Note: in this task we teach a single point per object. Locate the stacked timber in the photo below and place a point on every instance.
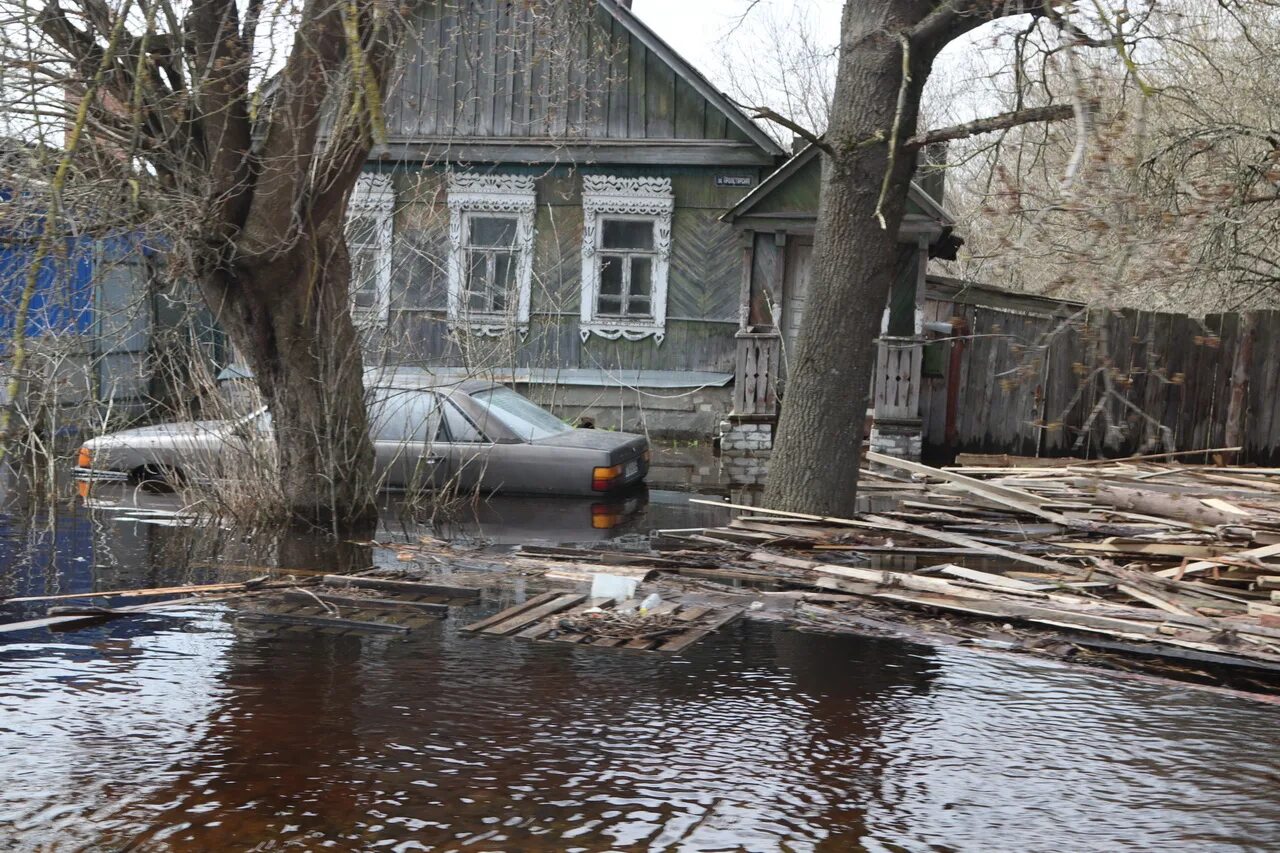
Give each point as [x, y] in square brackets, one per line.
[1160, 559]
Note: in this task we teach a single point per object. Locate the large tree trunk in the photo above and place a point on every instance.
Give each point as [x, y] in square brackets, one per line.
[290, 316]
[814, 467]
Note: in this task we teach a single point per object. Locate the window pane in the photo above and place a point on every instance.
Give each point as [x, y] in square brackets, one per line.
[610, 276]
[524, 417]
[628, 234]
[364, 278]
[490, 231]
[641, 275]
[504, 270]
[638, 308]
[461, 430]
[609, 305]
[477, 281]
[362, 230]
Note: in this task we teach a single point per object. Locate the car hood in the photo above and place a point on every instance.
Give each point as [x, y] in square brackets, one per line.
[593, 439]
[186, 429]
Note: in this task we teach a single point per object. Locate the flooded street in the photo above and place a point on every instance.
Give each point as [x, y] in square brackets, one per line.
[191, 731]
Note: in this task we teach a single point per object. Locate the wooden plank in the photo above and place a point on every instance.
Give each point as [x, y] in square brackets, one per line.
[873, 522]
[64, 621]
[989, 579]
[637, 105]
[1206, 565]
[142, 593]
[355, 601]
[529, 604]
[408, 587]
[1157, 601]
[619, 52]
[683, 641]
[505, 69]
[546, 626]
[527, 616]
[321, 622]
[1003, 495]
[485, 66]
[1158, 549]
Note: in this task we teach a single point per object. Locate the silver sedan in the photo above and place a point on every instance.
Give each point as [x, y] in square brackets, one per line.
[470, 435]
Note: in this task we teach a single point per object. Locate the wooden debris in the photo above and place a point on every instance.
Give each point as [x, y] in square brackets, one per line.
[309, 621]
[403, 586]
[151, 592]
[672, 626]
[1164, 560]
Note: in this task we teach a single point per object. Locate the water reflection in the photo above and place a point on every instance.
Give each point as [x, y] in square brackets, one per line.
[190, 731]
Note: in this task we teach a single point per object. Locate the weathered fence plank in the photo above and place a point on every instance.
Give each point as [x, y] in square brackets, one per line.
[1113, 383]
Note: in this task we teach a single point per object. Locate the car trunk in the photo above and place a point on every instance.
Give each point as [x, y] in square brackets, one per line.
[622, 447]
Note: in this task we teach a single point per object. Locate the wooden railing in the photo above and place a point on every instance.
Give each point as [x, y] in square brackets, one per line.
[756, 376]
[898, 377]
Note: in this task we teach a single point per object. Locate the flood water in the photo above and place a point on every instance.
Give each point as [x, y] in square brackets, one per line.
[190, 731]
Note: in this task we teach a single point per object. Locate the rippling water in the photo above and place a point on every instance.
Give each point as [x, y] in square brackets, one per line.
[195, 735]
[190, 732]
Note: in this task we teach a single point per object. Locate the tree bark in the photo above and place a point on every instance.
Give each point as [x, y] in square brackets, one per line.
[290, 317]
[887, 48]
[814, 468]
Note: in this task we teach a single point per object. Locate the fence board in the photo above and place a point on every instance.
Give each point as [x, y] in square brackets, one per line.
[1029, 385]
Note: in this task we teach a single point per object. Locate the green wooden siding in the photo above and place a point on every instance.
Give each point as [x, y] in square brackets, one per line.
[702, 292]
[513, 70]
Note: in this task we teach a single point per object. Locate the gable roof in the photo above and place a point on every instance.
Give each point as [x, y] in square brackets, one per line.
[651, 40]
[494, 81]
[927, 205]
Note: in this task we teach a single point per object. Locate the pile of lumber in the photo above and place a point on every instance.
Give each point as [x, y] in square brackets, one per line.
[1162, 560]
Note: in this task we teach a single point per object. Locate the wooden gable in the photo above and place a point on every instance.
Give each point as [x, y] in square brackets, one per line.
[788, 200]
[511, 80]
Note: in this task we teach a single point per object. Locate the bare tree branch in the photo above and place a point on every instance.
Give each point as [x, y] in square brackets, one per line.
[1003, 121]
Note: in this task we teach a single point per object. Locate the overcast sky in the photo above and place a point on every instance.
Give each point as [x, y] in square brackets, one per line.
[697, 29]
[694, 27]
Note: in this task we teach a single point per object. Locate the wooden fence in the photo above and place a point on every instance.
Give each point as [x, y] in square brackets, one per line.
[1090, 382]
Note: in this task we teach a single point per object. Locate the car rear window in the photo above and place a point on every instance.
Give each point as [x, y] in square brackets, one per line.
[404, 415]
[522, 416]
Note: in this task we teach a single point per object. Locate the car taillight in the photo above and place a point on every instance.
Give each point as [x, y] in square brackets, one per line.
[645, 456]
[602, 478]
[84, 459]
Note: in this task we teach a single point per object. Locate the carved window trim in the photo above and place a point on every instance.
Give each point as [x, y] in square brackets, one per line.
[374, 196]
[648, 198]
[500, 195]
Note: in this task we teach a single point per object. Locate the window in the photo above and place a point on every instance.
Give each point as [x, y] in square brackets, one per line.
[368, 227]
[491, 252]
[460, 428]
[522, 416]
[492, 260]
[400, 415]
[626, 252]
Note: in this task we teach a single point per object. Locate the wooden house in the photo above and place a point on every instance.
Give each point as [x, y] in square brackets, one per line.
[547, 210]
[565, 204]
[777, 221]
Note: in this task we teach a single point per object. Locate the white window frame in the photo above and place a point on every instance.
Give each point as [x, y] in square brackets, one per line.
[605, 197]
[375, 196]
[506, 196]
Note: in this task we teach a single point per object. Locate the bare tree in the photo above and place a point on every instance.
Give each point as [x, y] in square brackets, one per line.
[235, 133]
[888, 51]
[1181, 178]
[782, 59]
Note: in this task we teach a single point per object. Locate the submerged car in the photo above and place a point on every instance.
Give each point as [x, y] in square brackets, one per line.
[468, 435]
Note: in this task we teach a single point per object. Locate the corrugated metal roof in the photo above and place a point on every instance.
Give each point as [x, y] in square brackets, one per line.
[588, 377]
